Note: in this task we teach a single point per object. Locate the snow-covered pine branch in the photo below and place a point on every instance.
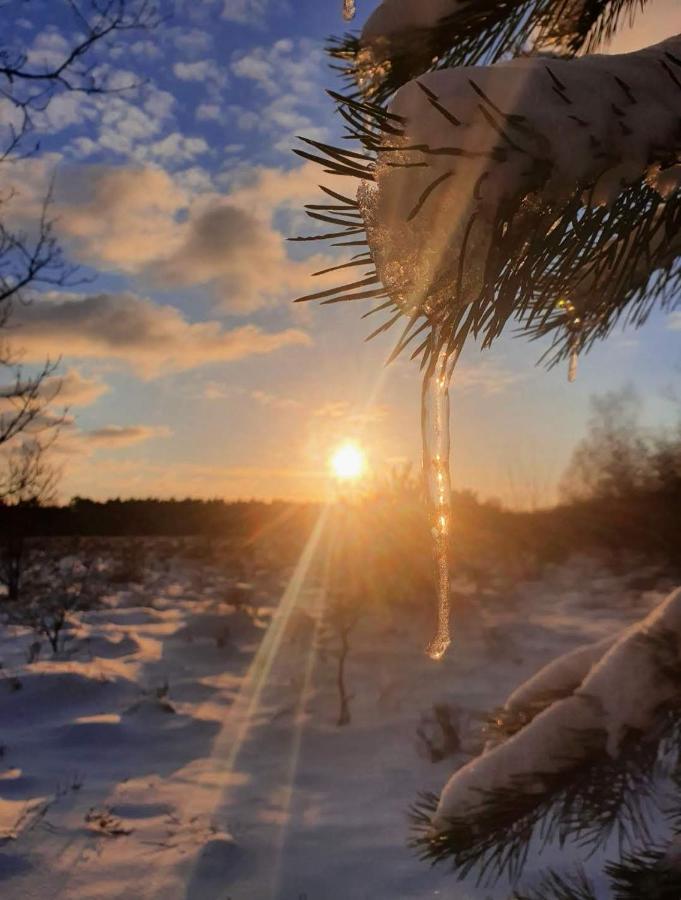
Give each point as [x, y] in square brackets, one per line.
[648, 874]
[586, 763]
[401, 39]
[556, 680]
[545, 189]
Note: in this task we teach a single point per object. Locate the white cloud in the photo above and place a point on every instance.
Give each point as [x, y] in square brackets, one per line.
[674, 321]
[245, 12]
[285, 66]
[49, 49]
[208, 112]
[144, 49]
[288, 73]
[174, 148]
[202, 70]
[193, 42]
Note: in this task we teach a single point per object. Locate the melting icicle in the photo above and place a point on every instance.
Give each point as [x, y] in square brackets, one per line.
[348, 10]
[435, 433]
[572, 368]
[574, 323]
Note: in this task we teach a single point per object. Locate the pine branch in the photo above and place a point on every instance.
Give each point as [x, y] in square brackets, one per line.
[587, 799]
[647, 874]
[567, 262]
[477, 32]
[559, 887]
[644, 875]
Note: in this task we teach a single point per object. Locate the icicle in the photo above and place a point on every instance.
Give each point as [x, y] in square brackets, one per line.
[572, 367]
[574, 323]
[435, 433]
[348, 10]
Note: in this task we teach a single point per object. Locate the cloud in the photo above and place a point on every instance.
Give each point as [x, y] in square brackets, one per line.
[74, 389]
[122, 435]
[102, 477]
[213, 390]
[128, 124]
[177, 148]
[343, 409]
[245, 12]
[674, 321]
[209, 112]
[206, 74]
[73, 442]
[237, 253]
[143, 221]
[150, 338]
[178, 230]
[275, 401]
[283, 67]
[193, 42]
[202, 70]
[121, 217]
[289, 74]
[57, 392]
[486, 378]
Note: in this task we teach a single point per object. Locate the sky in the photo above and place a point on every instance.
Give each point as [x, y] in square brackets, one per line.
[186, 367]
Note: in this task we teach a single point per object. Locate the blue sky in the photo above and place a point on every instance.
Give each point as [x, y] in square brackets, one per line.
[187, 368]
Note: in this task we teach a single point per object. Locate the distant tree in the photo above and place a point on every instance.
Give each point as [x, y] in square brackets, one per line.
[610, 460]
[27, 481]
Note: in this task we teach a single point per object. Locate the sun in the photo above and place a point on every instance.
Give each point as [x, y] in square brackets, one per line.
[348, 462]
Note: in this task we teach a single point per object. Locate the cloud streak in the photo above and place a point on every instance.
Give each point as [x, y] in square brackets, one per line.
[112, 436]
[150, 338]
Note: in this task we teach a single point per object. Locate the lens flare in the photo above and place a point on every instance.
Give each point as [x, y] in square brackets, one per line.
[348, 462]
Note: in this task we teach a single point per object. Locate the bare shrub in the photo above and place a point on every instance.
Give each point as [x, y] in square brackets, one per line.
[341, 617]
[129, 567]
[439, 732]
[58, 587]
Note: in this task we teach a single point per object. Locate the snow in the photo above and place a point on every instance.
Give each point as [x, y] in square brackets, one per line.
[627, 682]
[624, 690]
[600, 121]
[178, 748]
[561, 676]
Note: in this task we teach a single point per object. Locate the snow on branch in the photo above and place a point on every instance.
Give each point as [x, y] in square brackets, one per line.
[404, 38]
[586, 766]
[545, 190]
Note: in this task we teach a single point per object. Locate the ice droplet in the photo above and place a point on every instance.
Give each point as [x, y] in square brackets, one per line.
[435, 435]
[349, 10]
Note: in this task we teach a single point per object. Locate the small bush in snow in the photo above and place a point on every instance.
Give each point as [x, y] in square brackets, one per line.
[58, 587]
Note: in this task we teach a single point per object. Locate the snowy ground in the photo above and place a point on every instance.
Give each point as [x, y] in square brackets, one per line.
[181, 749]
